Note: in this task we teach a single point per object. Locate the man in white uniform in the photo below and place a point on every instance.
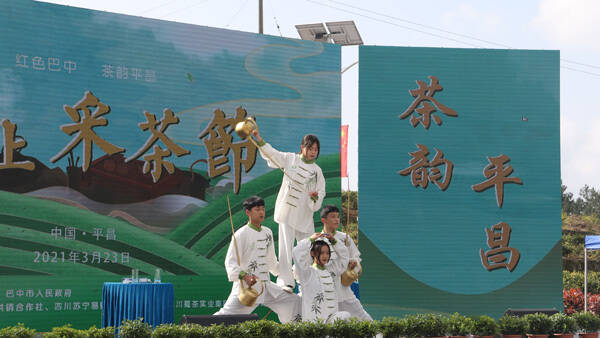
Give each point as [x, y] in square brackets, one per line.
[256, 259]
[330, 216]
[300, 196]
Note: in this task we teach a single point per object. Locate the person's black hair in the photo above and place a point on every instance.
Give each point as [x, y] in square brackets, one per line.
[315, 249]
[254, 201]
[308, 140]
[327, 209]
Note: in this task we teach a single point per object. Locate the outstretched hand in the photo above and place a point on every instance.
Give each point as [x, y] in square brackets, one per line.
[256, 135]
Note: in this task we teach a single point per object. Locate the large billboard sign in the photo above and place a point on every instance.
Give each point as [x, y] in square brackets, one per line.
[459, 170]
[118, 151]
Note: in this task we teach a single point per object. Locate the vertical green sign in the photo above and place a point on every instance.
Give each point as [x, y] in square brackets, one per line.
[459, 169]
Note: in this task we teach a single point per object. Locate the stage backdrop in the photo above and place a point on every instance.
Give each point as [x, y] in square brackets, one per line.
[459, 180]
[118, 151]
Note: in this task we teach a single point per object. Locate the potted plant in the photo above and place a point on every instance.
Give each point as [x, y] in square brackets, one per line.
[539, 325]
[429, 325]
[484, 326]
[563, 326]
[512, 326]
[458, 325]
[394, 327]
[588, 324]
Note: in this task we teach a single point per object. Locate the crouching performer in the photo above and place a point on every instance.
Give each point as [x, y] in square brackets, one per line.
[330, 216]
[250, 258]
[319, 295]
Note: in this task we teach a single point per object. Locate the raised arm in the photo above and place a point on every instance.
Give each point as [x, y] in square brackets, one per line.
[274, 157]
[303, 259]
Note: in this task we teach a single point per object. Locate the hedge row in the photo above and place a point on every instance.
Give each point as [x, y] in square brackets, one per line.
[420, 325]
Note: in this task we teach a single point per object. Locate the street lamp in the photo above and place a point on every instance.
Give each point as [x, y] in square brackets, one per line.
[343, 33]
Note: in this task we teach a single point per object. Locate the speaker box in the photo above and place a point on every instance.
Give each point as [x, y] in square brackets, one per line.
[206, 320]
[522, 312]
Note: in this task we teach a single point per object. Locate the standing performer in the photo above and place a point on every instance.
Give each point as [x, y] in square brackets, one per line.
[319, 295]
[256, 258]
[330, 216]
[300, 196]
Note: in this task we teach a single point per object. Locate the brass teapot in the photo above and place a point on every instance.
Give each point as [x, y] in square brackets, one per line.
[248, 296]
[349, 276]
[245, 128]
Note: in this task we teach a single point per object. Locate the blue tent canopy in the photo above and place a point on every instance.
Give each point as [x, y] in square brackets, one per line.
[592, 242]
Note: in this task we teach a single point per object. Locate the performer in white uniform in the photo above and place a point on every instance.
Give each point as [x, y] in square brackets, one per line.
[300, 196]
[330, 216]
[319, 295]
[257, 259]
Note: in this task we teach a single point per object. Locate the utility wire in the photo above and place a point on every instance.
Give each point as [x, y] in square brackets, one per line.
[441, 30]
[236, 13]
[183, 9]
[275, 18]
[159, 6]
[397, 25]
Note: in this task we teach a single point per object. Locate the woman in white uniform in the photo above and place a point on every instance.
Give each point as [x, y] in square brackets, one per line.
[300, 196]
[319, 294]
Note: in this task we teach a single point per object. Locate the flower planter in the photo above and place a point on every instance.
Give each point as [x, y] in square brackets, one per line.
[563, 335]
[511, 335]
[535, 335]
[588, 335]
[474, 336]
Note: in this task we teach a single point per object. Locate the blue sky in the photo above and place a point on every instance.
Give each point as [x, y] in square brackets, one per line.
[568, 26]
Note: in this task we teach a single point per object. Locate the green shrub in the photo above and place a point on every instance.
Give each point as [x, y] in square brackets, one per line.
[223, 331]
[561, 323]
[427, 325]
[66, 331]
[258, 328]
[587, 322]
[575, 280]
[512, 324]
[105, 332]
[167, 331]
[134, 329]
[352, 328]
[291, 330]
[195, 331]
[485, 326]
[458, 325]
[393, 327]
[18, 331]
[315, 329]
[538, 323]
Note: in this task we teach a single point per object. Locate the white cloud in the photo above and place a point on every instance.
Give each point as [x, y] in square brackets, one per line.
[569, 22]
[579, 151]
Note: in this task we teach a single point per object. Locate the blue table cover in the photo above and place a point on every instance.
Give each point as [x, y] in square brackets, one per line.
[153, 302]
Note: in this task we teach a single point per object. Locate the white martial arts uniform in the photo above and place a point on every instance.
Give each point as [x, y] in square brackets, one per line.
[294, 209]
[347, 301]
[319, 296]
[257, 257]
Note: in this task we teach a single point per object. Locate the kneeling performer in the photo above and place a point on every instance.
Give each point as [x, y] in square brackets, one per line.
[250, 258]
[319, 296]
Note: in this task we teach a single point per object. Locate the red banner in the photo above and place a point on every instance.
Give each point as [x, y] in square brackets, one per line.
[345, 150]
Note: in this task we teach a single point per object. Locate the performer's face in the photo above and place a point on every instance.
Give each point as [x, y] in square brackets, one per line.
[324, 257]
[256, 215]
[331, 222]
[310, 153]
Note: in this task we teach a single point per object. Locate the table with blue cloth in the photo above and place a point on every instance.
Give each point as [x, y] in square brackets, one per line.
[152, 301]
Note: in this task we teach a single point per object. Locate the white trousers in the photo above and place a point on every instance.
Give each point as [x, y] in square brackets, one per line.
[355, 308]
[287, 235]
[287, 306]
